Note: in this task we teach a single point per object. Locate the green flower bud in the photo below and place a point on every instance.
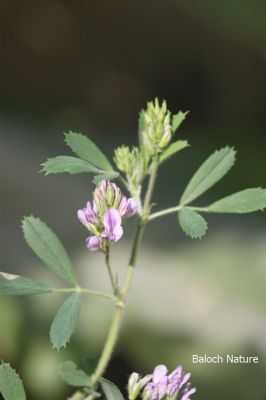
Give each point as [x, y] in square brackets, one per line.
[155, 128]
[110, 195]
[122, 159]
[132, 164]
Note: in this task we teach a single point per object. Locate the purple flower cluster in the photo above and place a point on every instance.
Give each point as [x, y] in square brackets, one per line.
[104, 216]
[174, 386]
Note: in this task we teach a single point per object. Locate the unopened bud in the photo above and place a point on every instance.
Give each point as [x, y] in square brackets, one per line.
[155, 129]
[135, 384]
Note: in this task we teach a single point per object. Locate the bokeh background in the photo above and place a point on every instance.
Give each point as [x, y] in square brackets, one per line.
[90, 67]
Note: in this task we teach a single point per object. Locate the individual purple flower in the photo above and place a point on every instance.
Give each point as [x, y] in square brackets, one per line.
[87, 215]
[104, 216]
[112, 224]
[93, 243]
[131, 207]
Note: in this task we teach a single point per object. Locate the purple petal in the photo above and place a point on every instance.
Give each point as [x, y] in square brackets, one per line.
[150, 386]
[111, 219]
[90, 213]
[102, 186]
[81, 216]
[131, 207]
[112, 224]
[93, 243]
[123, 206]
[162, 387]
[159, 372]
[115, 235]
[176, 374]
[187, 395]
[185, 379]
[172, 388]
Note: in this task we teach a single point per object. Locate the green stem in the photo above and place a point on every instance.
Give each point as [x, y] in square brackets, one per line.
[150, 189]
[109, 344]
[172, 210]
[117, 318]
[133, 258]
[109, 269]
[83, 291]
[77, 396]
[162, 213]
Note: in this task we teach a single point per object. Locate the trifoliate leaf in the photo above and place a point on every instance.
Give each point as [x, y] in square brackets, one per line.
[177, 120]
[71, 165]
[108, 176]
[15, 285]
[245, 201]
[46, 245]
[210, 172]
[110, 390]
[72, 375]
[11, 386]
[83, 147]
[65, 321]
[192, 223]
[173, 149]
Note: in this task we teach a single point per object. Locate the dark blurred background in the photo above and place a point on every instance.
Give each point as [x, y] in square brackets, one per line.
[90, 67]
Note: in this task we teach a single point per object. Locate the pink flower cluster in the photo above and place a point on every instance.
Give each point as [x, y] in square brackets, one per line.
[164, 385]
[160, 385]
[104, 216]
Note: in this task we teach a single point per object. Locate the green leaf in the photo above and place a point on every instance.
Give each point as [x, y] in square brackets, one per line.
[245, 201]
[65, 321]
[15, 285]
[177, 119]
[11, 386]
[71, 165]
[210, 172]
[192, 223]
[87, 150]
[48, 248]
[108, 176]
[110, 390]
[72, 375]
[173, 149]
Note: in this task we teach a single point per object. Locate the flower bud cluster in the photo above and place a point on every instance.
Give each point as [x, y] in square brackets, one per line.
[155, 128]
[132, 164]
[161, 385]
[104, 216]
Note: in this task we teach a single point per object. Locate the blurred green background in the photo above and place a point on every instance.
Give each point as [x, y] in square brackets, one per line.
[90, 67]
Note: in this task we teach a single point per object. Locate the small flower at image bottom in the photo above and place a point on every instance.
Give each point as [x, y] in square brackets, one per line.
[161, 385]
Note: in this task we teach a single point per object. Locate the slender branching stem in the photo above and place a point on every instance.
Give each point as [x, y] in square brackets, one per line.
[150, 189]
[77, 396]
[83, 291]
[109, 269]
[121, 298]
[172, 210]
[162, 213]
